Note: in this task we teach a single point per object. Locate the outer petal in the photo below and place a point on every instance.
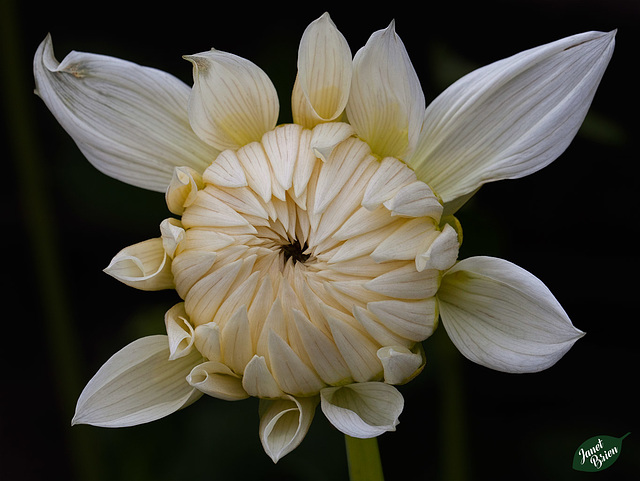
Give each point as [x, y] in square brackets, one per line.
[321, 90]
[144, 266]
[138, 384]
[129, 121]
[511, 118]
[502, 317]
[233, 102]
[284, 424]
[386, 104]
[362, 410]
[218, 380]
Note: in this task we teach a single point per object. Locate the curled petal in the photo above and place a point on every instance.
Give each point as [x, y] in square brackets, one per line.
[233, 102]
[137, 385]
[511, 118]
[144, 266]
[182, 189]
[321, 89]
[179, 331]
[207, 341]
[362, 410]
[443, 251]
[386, 104]
[284, 424]
[501, 316]
[401, 364]
[172, 234]
[129, 121]
[217, 380]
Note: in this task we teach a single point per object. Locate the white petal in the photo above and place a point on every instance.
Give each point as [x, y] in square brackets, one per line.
[501, 316]
[217, 380]
[362, 410]
[400, 364]
[129, 121]
[144, 266]
[284, 424]
[236, 341]
[179, 331]
[386, 104]
[138, 384]
[326, 137]
[233, 102]
[322, 86]
[511, 118]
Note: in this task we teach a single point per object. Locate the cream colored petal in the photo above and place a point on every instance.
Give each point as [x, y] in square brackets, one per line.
[326, 137]
[233, 102]
[129, 121]
[207, 341]
[225, 171]
[401, 364]
[392, 176]
[442, 253]
[322, 85]
[137, 385]
[258, 380]
[217, 380]
[337, 170]
[284, 424]
[207, 294]
[236, 341]
[415, 200]
[406, 283]
[511, 118]
[413, 320]
[144, 266]
[378, 331]
[292, 375]
[405, 243]
[179, 331]
[362, 410]
[322, 351]
[281, 146]
[189, 267]
[255, 163]
[502, 317]
[209, 211]
[357, 349]
[386, 104]
[182, 189]
[172, 234]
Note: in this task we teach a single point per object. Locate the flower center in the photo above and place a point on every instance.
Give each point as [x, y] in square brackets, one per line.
[308, 254]
[295, 251]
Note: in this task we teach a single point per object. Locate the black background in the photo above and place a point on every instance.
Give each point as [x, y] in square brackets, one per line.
[573, 224]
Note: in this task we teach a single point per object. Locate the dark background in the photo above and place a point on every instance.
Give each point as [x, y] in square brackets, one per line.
[573, 224]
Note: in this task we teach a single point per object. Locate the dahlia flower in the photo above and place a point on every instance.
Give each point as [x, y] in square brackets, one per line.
[313, 258]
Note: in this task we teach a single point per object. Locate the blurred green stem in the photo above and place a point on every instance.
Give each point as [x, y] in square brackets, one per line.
[364, 459]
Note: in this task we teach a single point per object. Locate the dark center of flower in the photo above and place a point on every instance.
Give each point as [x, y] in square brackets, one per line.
[295, 251]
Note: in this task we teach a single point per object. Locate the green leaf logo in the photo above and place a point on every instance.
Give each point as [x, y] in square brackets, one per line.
[597, 453]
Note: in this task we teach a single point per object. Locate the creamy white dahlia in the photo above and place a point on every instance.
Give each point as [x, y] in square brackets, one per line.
[313, 258]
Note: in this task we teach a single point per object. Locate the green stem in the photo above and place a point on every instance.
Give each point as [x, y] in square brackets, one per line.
[364, 459]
